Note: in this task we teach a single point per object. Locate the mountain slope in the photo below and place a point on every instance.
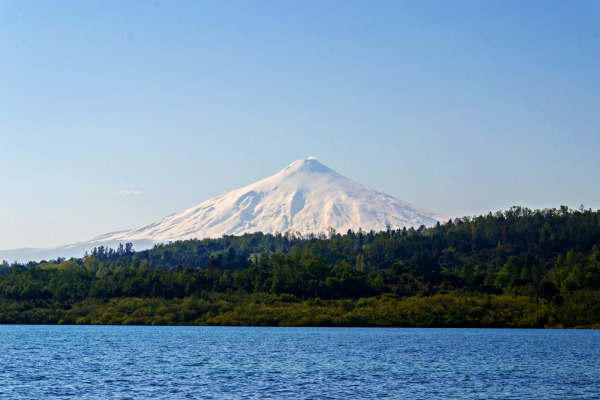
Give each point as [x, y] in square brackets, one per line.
[305, 197]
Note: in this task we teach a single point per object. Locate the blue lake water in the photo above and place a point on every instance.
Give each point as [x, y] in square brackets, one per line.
[91, 362]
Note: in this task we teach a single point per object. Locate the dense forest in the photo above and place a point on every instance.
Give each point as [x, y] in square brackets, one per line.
[518, 268]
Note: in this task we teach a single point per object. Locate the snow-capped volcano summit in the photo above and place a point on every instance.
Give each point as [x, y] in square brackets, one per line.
[304, 197]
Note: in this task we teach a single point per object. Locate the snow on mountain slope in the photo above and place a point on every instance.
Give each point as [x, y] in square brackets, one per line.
[305, 197]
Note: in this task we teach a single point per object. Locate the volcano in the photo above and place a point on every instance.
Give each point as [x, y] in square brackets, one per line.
[306, 197]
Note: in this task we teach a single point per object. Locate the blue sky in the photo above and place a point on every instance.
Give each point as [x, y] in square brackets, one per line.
[115, 114]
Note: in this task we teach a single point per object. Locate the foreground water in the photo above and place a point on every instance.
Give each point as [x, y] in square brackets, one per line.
[304, 363]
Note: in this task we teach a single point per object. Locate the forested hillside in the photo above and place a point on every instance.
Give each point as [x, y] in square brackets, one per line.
[518, 268]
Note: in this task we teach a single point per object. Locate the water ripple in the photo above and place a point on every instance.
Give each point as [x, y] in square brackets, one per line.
[90, 362]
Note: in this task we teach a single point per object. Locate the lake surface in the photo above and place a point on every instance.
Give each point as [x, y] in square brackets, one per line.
[91, 362]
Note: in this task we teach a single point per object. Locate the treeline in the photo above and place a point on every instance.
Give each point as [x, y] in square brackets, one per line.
[518, 268]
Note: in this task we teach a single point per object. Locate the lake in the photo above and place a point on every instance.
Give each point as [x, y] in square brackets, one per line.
[119, 362]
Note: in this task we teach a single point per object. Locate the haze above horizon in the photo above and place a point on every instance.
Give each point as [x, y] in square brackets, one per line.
[116, 114]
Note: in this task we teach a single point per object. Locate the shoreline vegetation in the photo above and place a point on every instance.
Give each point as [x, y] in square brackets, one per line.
[515, 269]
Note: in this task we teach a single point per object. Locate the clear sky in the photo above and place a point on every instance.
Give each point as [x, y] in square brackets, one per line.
[114, 114]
